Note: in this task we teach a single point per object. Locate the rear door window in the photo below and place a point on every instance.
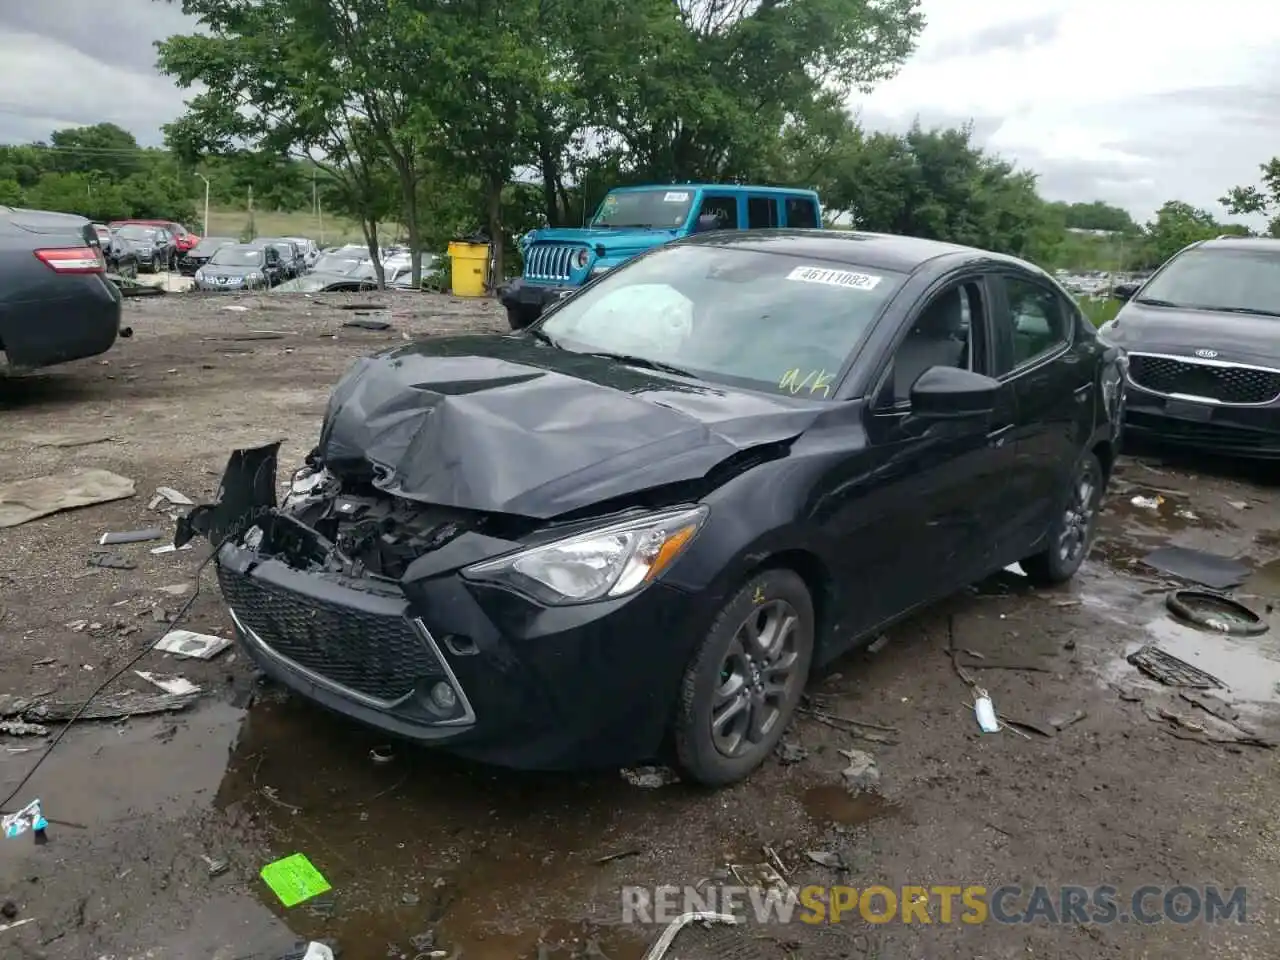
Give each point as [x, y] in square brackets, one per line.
[762, 212]
[801, 213]
[724, 209]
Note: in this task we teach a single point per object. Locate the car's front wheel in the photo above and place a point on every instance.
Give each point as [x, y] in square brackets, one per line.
[1073, 527]
[155, 263]
[745, 680]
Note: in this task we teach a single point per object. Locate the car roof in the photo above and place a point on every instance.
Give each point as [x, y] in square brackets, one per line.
[881, 251]
[726, 187]
[1265, 244]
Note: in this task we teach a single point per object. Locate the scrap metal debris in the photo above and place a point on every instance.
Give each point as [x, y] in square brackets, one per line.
[862, 772]
[1170, 670]
[22, 501]
[110, 707]
[131, 536]
[110, 561]
[1199, 566]
[650, 777]
[175, 497]
[660, 947]
[178, 686]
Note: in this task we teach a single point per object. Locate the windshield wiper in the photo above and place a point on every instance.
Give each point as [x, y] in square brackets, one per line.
[1155, 302]
[635, 361]
[1250, 310]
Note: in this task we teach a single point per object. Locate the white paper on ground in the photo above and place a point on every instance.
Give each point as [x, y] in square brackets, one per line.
[175, 685]
[185, 643]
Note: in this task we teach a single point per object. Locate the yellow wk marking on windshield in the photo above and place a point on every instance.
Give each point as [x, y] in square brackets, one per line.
[815, 380]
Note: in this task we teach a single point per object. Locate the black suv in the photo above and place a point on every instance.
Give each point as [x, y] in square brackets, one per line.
[1202, 345]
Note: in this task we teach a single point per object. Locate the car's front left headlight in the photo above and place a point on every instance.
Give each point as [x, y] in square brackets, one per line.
[600, 564]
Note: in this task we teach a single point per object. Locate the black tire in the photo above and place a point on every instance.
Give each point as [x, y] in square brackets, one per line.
[719, 665]
[520, 316]
[1072, 531]
[155, 263]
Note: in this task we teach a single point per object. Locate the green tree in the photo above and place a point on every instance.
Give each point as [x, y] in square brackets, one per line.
[1095, 216]
[102, 148]
[1264, 199]
[1176, 225]
[10, 193]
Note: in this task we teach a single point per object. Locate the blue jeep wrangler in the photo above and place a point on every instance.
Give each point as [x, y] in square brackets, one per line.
[631, 220]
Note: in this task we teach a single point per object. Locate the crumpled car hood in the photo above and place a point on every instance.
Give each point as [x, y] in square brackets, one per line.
[504, 424]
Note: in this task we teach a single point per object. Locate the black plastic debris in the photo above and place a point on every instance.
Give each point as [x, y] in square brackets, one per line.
[1171, 671]
[363, 324]
[1198, 566]
[1213, 611]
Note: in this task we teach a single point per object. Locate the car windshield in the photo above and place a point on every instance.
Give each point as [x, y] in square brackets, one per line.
[1208, 278]
[334, 263]
[237, 257]
[209, 245]
[664, 207]
[137, 233]
[741, 317]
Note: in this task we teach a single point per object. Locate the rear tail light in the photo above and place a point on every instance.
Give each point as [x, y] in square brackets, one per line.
[71, 259]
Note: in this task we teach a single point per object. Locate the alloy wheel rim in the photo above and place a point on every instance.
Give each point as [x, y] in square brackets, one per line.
[756, 678]
[1077, 520]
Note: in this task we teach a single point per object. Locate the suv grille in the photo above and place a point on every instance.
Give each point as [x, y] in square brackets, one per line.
[1226, 384]
[381, 656]
[549, 261]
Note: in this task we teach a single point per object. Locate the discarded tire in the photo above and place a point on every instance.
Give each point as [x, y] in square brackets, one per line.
[1216, 612]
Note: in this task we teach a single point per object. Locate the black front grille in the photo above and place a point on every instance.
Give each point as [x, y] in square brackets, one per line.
[1227, 384]
[378, 655]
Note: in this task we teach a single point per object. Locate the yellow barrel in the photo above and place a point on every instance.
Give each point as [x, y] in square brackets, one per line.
[470, 266]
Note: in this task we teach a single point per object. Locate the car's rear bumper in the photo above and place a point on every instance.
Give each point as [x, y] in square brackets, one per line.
[81, 318]
[1232, 430]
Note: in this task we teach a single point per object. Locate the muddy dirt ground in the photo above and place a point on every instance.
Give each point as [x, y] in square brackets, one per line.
[426, 850]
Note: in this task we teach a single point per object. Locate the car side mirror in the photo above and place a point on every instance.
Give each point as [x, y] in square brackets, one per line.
[949, 393]
[1124, 291]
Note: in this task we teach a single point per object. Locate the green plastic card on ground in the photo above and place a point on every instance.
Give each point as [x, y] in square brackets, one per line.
[294, 879]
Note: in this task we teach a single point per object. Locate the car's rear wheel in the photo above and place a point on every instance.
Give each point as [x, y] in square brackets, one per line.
[1072, 530]
[746, 679]
[155, 263]
[520, 316]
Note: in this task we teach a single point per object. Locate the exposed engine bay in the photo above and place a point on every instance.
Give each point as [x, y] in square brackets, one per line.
[364, 532]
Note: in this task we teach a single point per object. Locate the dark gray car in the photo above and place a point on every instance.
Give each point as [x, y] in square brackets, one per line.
[1202, 340]
[55, 301]
[154, 247]
[235, 267]
[292, 259]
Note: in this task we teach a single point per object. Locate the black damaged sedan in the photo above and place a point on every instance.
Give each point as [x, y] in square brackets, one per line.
[632, 530]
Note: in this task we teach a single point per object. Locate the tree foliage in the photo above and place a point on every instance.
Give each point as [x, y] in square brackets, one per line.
[1263, 199]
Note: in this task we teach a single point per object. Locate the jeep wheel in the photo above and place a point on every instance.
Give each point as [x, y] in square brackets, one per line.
[1071, 532]
[745, 680]
[520, 316]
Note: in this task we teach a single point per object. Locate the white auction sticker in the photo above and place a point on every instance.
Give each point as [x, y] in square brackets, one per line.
[835, 278]
[675, 197]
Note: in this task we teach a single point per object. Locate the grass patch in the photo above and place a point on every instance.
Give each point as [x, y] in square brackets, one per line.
[301, 223]
[1099, 312]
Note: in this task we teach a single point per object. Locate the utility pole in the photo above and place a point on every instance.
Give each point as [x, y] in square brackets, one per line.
[253, 230]
[206, 202]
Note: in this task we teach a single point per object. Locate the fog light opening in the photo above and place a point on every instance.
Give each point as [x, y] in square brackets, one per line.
[443, 696]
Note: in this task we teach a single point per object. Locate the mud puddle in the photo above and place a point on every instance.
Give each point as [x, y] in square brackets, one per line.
[834, 803]
[425, 847]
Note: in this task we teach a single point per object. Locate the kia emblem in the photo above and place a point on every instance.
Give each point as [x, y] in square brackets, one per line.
[1206, 354]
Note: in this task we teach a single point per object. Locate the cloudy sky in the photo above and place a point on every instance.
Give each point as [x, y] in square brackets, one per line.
[1129, 101]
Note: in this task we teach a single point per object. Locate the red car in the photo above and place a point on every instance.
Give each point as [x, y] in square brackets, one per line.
[183, 238]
